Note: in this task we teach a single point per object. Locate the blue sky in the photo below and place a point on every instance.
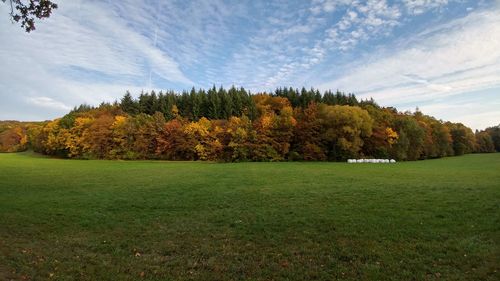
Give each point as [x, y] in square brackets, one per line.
[442, 56]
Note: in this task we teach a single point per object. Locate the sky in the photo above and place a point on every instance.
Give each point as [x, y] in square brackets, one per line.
[442, 56]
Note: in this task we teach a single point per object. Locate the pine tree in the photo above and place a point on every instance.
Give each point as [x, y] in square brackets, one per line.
[226, 104]
[214, 108]
[128, 104]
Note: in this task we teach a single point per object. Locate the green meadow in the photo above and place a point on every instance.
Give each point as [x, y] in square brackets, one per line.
[154, 220]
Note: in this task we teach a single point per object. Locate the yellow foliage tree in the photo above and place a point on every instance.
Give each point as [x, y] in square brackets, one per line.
[208, 147]
[391, 135]
[76, 141]
[344, 129]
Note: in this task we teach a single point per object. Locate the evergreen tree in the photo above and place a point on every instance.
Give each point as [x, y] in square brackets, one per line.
[128, 104]
[226, 104]
[213, 104]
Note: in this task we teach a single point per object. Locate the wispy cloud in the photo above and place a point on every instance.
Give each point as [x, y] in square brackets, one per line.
[417, 7]
[450, 60]
[475, 109]
[77, 56]
[48, 102]
[362, 21]
[296, 40]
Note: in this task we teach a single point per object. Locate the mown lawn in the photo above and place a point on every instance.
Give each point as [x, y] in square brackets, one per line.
[145, 220]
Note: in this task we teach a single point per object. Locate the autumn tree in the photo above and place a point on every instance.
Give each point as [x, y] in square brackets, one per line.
[99, 136]
[484, 142]
[463, 138]
[235, 125]
[384, 136]
[306, 144]
[409, 145]
[238, 139]
[80, 133]
[494, 132]
[204, 135]
[35, 138]
[343, 130]
[264, 146]
[274, 128]
[147, 130]
[53, 138]
[442, 140]
[26, 12]
[437, 137]
[13, 140]
[174, 143]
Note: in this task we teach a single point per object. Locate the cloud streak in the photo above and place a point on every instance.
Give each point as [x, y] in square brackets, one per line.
[84, 53]
[446, 62]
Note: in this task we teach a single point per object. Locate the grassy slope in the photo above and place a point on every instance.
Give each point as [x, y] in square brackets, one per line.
[105, 220]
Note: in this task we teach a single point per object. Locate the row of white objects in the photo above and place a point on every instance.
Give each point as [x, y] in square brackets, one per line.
[371, 161]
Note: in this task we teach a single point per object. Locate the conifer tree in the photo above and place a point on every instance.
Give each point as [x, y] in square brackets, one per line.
[128, 104]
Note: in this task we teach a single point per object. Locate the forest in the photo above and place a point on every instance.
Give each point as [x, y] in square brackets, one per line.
[235, 125]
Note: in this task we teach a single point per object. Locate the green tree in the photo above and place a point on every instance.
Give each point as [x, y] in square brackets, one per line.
[484, 142]
[410, 143]
[463, 138]
[129, 105]
[494, 132]
[227, 104]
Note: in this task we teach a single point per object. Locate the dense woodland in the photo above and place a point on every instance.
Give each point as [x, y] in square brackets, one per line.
[235, 125]
[13, 135]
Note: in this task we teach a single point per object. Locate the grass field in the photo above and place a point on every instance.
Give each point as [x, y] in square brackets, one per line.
[144, 220]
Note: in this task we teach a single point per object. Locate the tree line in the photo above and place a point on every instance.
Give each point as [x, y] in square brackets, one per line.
[13, 135]
[223, 104]
[234, 125]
